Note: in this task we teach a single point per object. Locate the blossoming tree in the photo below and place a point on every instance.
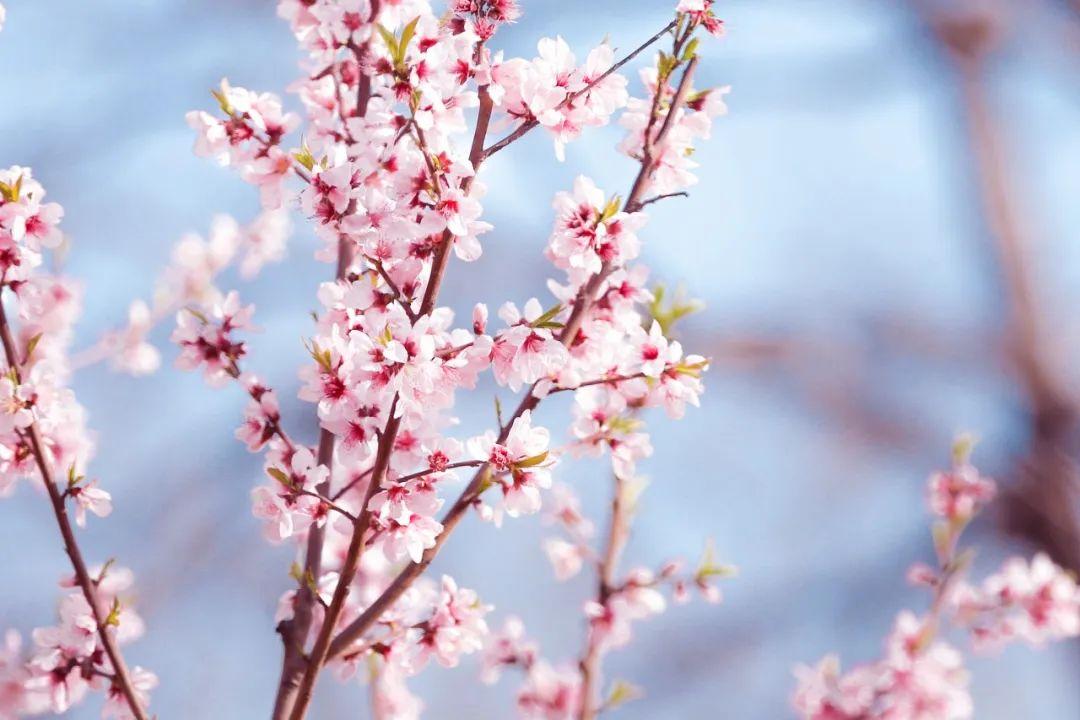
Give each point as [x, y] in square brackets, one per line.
[402, 105]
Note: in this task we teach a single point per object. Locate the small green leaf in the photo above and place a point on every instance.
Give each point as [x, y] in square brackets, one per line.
[198, 315]
[406, 37]
[962, 447]
[304, 157]
[624, 424]
[389, 39]
[222, 98]
[104, 570]
[691, 50]
[532, 461]
[113, 619]
[609, 211]
[547, 317]
[31, 346]
[280, 475]
[11, 192]
[665, 66]
[622, 692]
[485, 481]
[709, 567]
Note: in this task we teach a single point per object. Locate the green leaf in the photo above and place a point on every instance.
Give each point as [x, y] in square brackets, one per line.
[708, 567]
[389, 39]
[547, 317]
[624, 424]
[406, 37]
[11, 192]
[485, 481]
[691, 50]
[202, 318]
[113, 619]
[533, 461]
[609, 211]
[222, 99]
[304, 157]
[104, 570]
[665, 66]
[622, 692]
[31, 346]
[280, 475]
[962, 447]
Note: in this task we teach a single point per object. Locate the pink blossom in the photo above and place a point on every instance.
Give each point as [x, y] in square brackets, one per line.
[525, 351]
[1035, 602]
[959, 493]
[565, 557]
[505, 648]
[89, 497]
[550, 693]
[116, 703]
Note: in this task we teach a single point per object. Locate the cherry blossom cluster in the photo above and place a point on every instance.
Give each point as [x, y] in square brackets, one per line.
[921, 676]
[701, 12]
[191, 279]
[435, 621]
[387, 175]
[692, 122]
[43, 438]
[68, 660]
[554, 92]
[606, 420]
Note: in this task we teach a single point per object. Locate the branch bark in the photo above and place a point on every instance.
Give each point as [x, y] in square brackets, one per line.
[618, 534]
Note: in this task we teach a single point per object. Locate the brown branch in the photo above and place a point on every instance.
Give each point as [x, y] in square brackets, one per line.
[363, 90]
[658, 198]
[398, 295]
[121, 679]
[352, 483]
[442, 253]
[294, 631]
[618, 534]
[319, 651]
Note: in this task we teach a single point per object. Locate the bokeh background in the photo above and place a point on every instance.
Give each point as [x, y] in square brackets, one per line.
[865, 301]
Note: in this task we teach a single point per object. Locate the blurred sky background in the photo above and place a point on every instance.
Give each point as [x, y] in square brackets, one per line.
[856, 311]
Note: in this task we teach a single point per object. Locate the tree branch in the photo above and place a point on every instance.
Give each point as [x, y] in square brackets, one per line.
[121, 679]
[585, 298]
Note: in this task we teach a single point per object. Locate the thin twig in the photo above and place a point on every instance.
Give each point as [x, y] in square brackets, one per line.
[658, 198]
[618, 534]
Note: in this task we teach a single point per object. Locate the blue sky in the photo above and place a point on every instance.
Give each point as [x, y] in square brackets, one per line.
[835, 211]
